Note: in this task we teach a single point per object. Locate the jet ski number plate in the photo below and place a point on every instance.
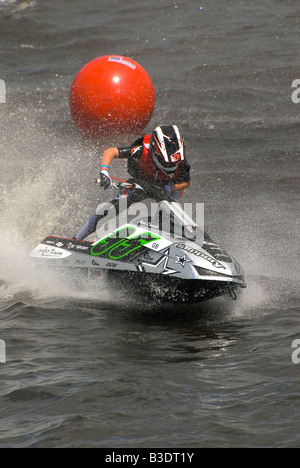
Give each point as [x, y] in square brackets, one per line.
[125, 243]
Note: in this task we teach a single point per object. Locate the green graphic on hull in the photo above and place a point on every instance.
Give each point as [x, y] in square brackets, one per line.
[121, 244]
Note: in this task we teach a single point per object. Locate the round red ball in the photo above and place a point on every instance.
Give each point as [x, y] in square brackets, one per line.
[111, 94]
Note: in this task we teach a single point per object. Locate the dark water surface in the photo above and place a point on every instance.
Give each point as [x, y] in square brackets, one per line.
[96, 369]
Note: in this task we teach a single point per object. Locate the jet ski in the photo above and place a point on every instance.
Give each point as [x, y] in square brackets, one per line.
[166, 257]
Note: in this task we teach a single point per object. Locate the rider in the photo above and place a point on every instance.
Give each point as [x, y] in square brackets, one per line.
[157, 161]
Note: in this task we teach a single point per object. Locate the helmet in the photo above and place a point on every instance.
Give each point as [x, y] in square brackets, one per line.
[167, 149]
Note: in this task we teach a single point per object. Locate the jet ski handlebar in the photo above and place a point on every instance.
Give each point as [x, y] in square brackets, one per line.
[120, 185]
[150, 191]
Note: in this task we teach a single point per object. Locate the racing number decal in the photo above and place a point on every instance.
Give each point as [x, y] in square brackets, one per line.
[121, 244]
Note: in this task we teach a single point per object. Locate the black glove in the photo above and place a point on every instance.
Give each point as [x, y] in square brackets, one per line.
[105, 180]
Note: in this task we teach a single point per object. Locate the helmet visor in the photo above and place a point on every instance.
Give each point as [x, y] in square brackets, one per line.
[166, 167]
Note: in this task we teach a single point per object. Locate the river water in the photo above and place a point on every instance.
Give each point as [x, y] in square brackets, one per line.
[95, 369]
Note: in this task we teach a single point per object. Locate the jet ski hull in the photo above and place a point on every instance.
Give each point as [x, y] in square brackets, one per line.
[167, 289]
[162, 269]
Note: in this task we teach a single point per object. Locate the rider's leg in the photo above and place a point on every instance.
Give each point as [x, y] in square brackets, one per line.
[91, 225]
[87, 229]
[115, 205]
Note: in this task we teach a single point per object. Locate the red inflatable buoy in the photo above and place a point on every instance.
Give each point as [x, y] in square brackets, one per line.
[111, 94]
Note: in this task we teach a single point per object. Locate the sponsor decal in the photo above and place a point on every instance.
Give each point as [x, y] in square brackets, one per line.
[84, 248]
[122, 61]
[176, 157]
[181, 260]
[50, 252]
[203, 255]
[95, 273]
[162, 262]
[148, 257]
[111, 265]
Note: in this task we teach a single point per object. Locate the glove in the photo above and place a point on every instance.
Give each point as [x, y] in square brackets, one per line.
[105, 180]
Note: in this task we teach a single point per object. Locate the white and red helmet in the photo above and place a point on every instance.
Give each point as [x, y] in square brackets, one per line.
[167, 149]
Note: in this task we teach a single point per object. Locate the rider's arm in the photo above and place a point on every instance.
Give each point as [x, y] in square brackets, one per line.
[111, 153]
[179, 187]
[108, 156]
[182, 180]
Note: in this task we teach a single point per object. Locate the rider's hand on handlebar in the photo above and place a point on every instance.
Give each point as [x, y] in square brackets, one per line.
[105, 180]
